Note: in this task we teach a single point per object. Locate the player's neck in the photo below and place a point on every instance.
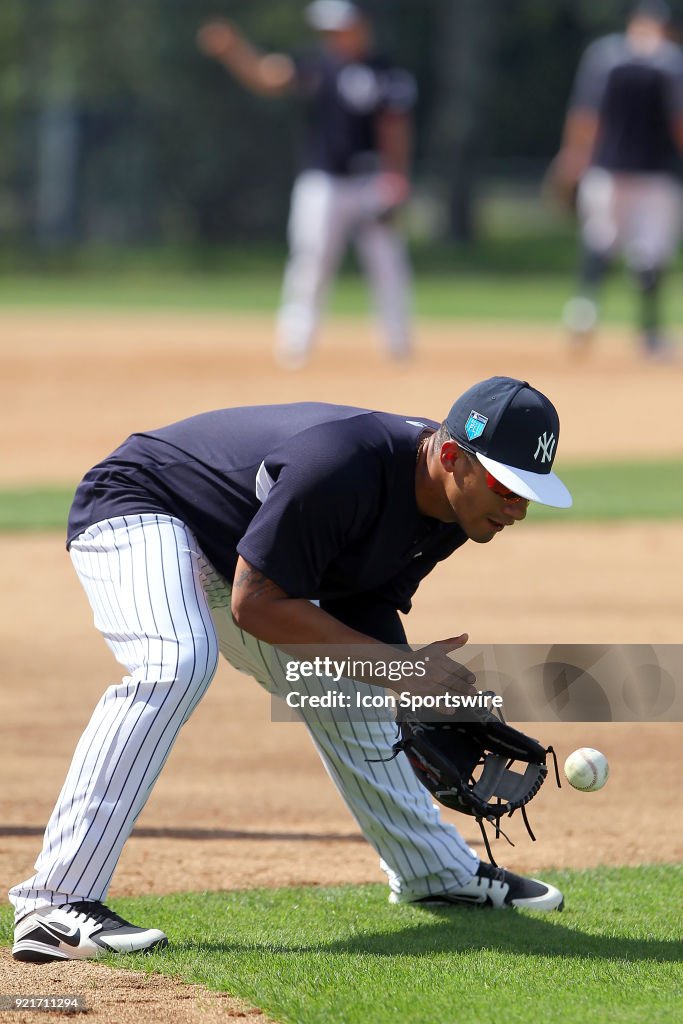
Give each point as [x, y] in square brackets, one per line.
[428, 490]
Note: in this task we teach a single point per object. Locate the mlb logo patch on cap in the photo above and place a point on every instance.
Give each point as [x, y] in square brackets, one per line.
[474, 427]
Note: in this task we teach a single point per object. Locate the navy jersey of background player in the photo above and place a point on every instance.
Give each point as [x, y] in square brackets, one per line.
[319, 498]
[344, 101]
[636, 95]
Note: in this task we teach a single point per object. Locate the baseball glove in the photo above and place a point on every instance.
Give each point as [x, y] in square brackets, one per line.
[467, 766]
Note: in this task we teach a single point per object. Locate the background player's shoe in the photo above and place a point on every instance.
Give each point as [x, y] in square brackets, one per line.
[291, 353]
[657, 348]
[79, 931]
[498, 888]
[580, 318]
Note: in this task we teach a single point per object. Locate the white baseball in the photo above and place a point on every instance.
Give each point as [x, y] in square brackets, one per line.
[586, 769]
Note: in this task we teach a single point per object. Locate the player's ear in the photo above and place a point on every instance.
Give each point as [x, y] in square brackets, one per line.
[449, 455]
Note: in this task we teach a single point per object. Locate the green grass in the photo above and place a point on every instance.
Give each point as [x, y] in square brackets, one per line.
[451, 293]
[35, 508]
[344, 956]
[619, 491]
[602, 493]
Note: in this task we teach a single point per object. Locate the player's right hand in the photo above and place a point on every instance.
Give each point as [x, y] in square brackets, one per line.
[443, 674]
[560, 182]
[393, 189]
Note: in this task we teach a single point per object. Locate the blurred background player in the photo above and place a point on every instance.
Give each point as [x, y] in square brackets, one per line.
[354, 171]
[622, 143]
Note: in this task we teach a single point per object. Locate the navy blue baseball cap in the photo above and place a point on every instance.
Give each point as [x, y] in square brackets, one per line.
[513, 430]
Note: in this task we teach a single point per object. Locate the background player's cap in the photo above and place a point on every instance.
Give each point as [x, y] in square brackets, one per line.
[332, 15]
[655, 10]
[513, 430]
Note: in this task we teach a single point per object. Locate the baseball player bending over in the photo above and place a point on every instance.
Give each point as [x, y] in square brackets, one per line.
[247, 530]
[622, 142]
[355, 167]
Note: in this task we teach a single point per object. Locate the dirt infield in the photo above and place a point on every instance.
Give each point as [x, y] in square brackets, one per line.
[92, 379]
[244, 802]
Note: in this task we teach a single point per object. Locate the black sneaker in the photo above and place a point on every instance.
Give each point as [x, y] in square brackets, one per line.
[79, 931]
[498, 888]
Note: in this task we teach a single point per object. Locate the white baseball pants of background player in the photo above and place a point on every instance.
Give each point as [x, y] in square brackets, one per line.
[327, 212]
[164, 611]
[638, 215]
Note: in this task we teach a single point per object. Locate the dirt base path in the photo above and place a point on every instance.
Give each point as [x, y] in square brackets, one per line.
[119, 997]
[93, 379]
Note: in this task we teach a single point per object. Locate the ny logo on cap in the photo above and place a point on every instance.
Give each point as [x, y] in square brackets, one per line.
[474, 427]
[546, 447]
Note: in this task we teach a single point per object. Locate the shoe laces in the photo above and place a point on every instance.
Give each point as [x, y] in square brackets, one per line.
[94, 911]
[491, 873]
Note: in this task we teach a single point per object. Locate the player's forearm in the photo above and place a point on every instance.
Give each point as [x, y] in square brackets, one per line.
[285, 620]
[578, 141]
[267, 74]
[265, 611]
[264, 73]
[260, 607]
[678, 134]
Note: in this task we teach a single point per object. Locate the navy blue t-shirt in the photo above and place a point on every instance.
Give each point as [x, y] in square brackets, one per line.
[344, 102]
[319, 498]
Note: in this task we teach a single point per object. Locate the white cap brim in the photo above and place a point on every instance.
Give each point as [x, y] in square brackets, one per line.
[545, 488]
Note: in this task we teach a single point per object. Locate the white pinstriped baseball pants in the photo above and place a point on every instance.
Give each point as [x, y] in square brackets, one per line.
[164, 611]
